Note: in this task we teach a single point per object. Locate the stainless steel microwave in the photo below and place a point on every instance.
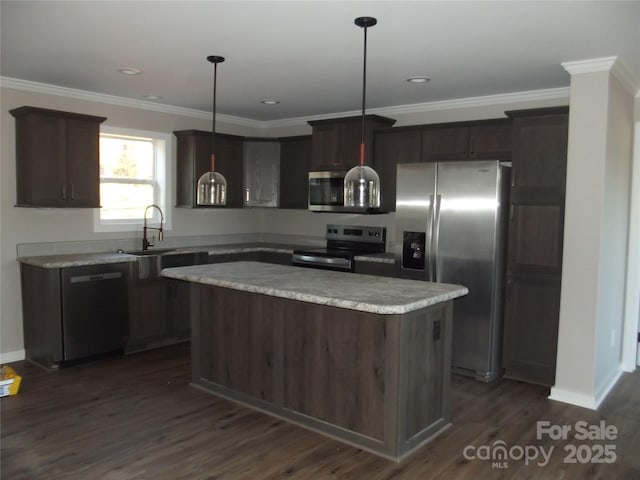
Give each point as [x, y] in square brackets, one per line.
[326, 194]
[326, 191]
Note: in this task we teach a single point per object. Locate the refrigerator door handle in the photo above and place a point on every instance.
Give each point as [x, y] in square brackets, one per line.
[428, 247]
[434, 238]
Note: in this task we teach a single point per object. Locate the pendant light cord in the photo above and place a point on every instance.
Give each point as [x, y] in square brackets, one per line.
[364, 96]
[213, 126]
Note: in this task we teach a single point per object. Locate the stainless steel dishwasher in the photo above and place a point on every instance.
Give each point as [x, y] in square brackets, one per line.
[95, 310]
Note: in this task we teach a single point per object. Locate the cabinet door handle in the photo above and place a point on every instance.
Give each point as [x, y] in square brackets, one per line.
[73, 197]
[63, 191]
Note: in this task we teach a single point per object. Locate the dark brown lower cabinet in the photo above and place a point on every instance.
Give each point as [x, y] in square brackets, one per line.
[180, 308]
[222, 258]
[149, 319]
[159, 313]
[375, 268]
[160, 309]
[532, 310]
[281, 258]
[334, 367]
[233, 345]
[380, 382]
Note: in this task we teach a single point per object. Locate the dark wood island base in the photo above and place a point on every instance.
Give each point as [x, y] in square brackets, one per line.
[376, 381]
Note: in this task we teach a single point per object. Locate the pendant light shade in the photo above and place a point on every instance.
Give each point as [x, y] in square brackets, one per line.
[362, 183]
[212, 186]
[212, 189]
[362, 187]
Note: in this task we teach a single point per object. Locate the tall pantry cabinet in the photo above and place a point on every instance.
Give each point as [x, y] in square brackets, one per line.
[534, 257]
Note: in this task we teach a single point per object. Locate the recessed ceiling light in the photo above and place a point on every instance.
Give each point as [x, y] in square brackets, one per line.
[270, 102]
[152, 97]
[130, 71]
[418, 79]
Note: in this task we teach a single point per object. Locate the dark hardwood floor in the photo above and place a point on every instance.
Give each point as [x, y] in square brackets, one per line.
[136, 417]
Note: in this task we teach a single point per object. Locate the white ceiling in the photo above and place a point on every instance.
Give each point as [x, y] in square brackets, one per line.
[308, 54]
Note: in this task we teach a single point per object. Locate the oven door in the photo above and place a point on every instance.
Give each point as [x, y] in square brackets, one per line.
[322, 259]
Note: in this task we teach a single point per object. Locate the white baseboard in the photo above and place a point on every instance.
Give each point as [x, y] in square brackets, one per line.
[608, 384]
[573, 398]
[585, 400]
[14, 356]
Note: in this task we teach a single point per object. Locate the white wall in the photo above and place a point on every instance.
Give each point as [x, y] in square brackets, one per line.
[631, 353]
[582, 233]
[304, 223]
[595, 238]
[613, 253]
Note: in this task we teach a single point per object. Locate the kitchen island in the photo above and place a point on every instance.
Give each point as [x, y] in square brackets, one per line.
[360, 358]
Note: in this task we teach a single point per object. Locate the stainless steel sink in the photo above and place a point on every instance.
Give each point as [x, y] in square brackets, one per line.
[151, 262]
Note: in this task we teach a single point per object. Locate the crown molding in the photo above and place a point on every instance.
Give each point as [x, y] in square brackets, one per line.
[606, 64]
[561, 93]
[622, 73]
[36, 87]
[488, 100]
[593, 65]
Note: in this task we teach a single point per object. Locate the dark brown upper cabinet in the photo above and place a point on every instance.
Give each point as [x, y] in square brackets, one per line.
[194, 159]
[261, 172]
[394, 146]
[295, 163]
[336, 142]
[57, 158]
[482, 140]
[444, 143]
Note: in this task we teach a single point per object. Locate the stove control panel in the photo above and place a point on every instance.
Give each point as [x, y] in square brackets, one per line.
[355, 233]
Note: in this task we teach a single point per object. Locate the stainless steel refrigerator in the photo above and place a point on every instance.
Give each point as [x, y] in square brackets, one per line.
[451, 227]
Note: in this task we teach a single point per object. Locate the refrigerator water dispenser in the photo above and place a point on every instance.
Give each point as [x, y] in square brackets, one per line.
[413, 250]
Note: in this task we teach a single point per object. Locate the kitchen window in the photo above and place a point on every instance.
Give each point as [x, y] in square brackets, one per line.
[134, 173]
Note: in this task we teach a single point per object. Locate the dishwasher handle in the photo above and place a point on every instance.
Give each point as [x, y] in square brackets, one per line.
[95, 278]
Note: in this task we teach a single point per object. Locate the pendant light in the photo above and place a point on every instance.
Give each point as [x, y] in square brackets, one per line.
[361, 183]
[212, 186]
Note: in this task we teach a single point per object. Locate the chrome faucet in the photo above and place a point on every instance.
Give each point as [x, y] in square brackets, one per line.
[145, 242]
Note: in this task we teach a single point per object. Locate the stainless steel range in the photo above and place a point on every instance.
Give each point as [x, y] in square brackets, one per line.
[344, 242]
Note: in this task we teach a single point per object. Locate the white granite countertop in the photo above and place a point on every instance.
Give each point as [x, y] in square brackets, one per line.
[76, 259]
[244, 248]
[82, 259]
[365, 293]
